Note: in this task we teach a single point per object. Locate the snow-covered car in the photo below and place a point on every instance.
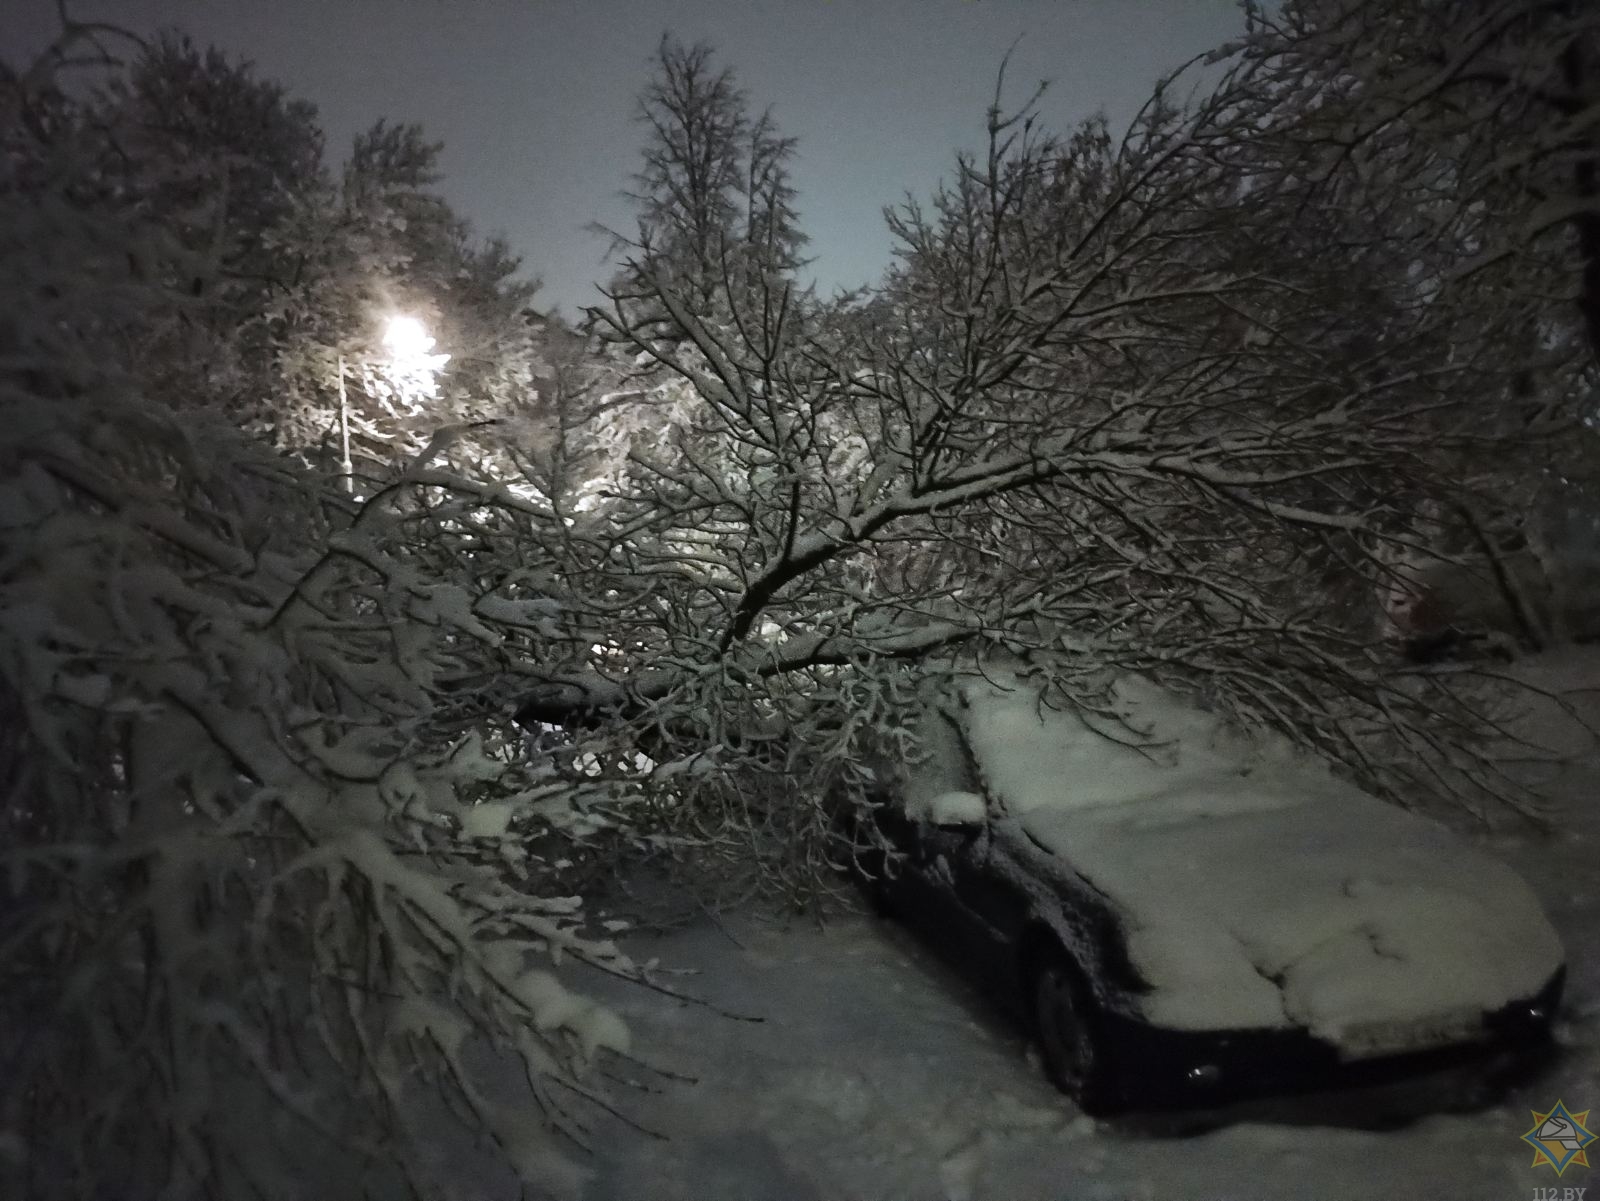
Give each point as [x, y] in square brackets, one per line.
[1185, 911]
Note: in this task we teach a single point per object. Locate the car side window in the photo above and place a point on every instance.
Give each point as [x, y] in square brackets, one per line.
[942, 765]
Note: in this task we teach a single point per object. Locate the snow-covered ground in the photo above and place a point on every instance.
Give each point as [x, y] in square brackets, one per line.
[876, 1072]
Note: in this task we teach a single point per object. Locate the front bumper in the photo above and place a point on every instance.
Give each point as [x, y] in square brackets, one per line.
[1159, 1068]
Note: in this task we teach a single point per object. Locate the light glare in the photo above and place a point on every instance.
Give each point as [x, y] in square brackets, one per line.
[407, 338]
[412, 368]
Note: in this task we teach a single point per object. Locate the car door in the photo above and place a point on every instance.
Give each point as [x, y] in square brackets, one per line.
[932, 869]
[949, 887]
[986, 907]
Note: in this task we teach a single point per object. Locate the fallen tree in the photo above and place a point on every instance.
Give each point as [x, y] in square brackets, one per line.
[1118, 409]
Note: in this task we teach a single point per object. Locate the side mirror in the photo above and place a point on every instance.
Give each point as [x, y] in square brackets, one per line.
[953, 810]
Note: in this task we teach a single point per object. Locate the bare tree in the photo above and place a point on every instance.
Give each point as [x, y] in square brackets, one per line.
[1465, 130]
[1109, 416]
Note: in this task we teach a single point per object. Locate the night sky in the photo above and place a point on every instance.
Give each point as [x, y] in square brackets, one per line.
[533, 98]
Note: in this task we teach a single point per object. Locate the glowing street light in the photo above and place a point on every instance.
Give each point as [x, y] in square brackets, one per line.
[411, 365]
[407, 338]
[411, 358]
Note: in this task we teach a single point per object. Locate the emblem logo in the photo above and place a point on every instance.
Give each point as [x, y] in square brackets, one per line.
[1559, 1138]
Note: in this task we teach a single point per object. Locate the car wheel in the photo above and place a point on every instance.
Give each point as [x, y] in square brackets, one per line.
[1064, 1023]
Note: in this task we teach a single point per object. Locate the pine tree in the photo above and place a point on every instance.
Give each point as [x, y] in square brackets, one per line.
[714, 197]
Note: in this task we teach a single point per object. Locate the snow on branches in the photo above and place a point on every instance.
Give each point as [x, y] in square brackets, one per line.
[274, 872]
[1118, 408]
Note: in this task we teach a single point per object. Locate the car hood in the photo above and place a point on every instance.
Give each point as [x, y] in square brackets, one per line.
[1287, 898]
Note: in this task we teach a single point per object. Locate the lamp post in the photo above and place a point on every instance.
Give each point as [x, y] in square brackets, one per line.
[411, 365]
[346, 468]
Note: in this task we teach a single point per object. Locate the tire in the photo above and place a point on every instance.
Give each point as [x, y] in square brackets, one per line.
[1067, 1031]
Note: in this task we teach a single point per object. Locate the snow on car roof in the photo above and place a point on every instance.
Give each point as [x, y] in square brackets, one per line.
[1038, 750]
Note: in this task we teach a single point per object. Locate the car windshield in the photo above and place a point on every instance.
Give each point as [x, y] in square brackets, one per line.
[1037, 750]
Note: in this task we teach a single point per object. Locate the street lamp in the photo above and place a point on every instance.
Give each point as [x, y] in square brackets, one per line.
[407, 338]
[411, 366]
[346, 468]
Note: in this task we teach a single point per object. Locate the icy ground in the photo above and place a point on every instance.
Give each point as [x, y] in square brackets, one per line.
[876, 1073]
